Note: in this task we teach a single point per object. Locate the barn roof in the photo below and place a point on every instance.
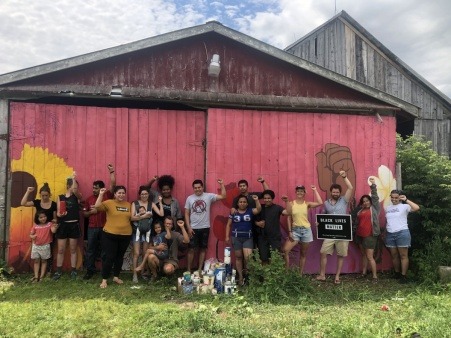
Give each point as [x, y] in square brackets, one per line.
[347, 19]
[8, 81]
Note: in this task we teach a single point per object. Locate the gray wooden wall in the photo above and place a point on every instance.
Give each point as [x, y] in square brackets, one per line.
[341, 48]
[4, 213]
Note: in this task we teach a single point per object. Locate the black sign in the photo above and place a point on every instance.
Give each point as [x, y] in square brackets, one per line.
[334, 227]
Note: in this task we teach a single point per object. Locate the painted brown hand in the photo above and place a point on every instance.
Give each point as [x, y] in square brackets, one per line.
[331, 161]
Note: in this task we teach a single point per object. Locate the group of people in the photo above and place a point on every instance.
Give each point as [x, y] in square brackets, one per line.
[157, 227]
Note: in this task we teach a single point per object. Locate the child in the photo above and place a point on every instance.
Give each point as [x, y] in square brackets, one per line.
[160, 237]
[41, 235]
[143, 224]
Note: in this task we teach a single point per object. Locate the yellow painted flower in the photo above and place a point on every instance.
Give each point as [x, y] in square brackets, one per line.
[385, 184]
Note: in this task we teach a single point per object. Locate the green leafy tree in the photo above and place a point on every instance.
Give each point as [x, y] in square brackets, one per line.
[426, 178]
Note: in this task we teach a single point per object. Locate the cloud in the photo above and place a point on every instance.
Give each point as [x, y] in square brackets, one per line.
[37, 32]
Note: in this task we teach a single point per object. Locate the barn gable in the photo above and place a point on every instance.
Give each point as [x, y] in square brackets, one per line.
[345, 47]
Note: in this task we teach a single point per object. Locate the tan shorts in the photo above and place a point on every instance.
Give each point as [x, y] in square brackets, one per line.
[340, 245]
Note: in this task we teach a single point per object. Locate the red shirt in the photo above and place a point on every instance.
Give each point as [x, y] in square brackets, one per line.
[43, 233]
[365, 227]
[97, 220]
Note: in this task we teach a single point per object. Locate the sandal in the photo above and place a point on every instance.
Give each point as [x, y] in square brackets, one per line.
[337, 282]
[375, 280]
[35, 280]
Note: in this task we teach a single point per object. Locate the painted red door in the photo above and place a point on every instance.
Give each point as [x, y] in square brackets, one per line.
[49, 142]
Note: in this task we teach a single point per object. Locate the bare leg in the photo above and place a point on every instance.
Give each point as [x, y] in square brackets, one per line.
[246, 254]
[141, 266]
[370, 258]
[395, 259]
[60, 253]
[43, 268]
[136, 249]
[404, 257]
[364, 253]
[190, 258]
[287, 247]
[340, 260]
[239, 265]
[154, 263]
[303, 256]
[73, 252]
[201, 259]
[322, 267]
[36, 265]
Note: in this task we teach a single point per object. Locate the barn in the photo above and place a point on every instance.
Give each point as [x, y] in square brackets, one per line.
[346, 47]
[203, 102]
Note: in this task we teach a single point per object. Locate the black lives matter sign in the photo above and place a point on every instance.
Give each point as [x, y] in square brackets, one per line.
[334, 227]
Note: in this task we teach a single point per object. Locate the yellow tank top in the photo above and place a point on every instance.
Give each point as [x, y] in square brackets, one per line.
[300, 215]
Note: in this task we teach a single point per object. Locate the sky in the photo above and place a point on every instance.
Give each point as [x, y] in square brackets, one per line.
[42, 31]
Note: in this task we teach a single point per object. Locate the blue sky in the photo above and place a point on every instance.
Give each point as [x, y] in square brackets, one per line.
[37, 32]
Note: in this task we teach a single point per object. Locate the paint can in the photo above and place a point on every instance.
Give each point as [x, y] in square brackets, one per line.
[227, 260]
[220, 279]
[227, 251]
[187, 276]
[228, 288]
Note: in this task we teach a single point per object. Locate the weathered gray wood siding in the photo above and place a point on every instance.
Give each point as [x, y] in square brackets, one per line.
[339, 47]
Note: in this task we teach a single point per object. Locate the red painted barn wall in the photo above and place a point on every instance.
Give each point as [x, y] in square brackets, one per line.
[48, 142]
[285, 149]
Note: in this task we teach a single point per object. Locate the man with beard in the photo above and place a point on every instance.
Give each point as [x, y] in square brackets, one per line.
[337, 205]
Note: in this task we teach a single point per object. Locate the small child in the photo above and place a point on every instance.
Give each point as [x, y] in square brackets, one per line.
[41, 235]
[160, 237]
[143, 223]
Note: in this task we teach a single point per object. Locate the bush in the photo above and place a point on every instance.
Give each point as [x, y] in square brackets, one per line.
[426, 178]
[271, 283]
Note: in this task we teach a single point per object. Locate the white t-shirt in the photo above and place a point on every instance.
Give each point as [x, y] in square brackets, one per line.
[397, 217]
[199, 209]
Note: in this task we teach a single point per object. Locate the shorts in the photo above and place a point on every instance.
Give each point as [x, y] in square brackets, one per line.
[340, 245]
[200, 238]
[368, 242]
[399, 239]
[40, 251]
[302, 234]
[143, 237]
[68, 230]
[240, 243]
[162, 255]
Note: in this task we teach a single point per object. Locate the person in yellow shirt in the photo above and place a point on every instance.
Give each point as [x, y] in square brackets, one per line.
[116, 233]
[299, 226]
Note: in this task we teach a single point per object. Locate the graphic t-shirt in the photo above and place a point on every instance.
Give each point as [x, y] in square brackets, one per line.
[397, 217]
[199, 209]
[117, 217]
[242, 223]
[43, 233]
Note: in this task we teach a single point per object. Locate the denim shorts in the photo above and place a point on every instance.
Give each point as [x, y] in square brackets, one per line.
[399, 239]
[302, 234]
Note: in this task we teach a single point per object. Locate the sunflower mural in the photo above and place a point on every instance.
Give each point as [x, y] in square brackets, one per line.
[35, 166]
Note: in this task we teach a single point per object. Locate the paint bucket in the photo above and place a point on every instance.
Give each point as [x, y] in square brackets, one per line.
[228, 288]
[196, 280]
[187, 276]
[227, 251]
[206, 279]
[219, 279]
[227, 260]
[187, 287]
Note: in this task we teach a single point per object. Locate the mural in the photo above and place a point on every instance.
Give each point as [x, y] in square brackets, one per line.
[35, 166]
[290, 148]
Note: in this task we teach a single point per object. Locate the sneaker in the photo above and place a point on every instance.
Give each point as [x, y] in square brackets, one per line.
[56, 275]
[73, 274]
[397, 275]
[88, 275]
[135, 279]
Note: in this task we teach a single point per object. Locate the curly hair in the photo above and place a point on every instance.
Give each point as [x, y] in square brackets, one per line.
[166, 180]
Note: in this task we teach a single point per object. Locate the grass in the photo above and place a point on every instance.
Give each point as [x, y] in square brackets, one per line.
[80, 308]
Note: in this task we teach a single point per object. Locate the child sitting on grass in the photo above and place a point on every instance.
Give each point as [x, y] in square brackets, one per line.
[41, 236]
[159, 238]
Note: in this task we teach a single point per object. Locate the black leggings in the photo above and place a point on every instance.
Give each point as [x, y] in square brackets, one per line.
[113, 247]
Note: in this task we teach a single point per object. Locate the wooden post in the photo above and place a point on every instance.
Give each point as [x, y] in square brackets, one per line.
[4, 204]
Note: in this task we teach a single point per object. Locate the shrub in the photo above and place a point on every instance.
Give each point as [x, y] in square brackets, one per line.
[272, 283]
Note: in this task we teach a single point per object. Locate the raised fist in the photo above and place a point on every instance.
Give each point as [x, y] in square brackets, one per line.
[331, 162]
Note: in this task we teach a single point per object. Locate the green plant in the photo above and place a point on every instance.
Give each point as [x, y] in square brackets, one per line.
[5, 271]
[426, 178]
[272, 283]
